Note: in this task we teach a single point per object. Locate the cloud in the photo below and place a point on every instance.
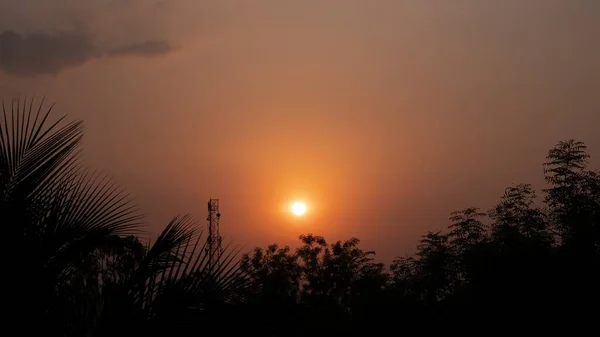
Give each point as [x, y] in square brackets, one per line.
[146, 48]
[48, 54]
[34, 54]
[33, 41]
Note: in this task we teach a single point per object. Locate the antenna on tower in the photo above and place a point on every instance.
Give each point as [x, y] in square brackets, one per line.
[214, 248]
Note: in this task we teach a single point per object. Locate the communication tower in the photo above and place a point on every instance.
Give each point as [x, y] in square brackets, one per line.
[214, 248]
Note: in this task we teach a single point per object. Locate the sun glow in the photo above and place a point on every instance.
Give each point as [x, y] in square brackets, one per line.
[298, 208]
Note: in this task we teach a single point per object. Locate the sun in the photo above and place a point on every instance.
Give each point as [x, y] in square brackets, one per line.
[298, 208]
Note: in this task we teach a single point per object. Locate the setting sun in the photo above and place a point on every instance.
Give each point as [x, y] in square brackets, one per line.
[298, 208]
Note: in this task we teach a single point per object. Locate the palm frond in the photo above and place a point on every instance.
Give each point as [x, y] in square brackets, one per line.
[176, 283]
[33, 151]
[51, 205]
[165, 250]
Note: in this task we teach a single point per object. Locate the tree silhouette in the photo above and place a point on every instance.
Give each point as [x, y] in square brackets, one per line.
[76, 268]
[80, 271]
[573, 196]
[516, 219]
[174, 287]
[53, 207]
[277, 272]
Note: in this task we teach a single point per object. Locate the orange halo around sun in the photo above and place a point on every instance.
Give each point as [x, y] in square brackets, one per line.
[298, 208]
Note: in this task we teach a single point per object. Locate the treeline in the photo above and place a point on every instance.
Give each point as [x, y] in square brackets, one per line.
[526, 262]
[74, 266]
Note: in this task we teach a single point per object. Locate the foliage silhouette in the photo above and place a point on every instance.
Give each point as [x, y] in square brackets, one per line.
[528, 262]
[82, 272]
[518, 265]
[52, 206]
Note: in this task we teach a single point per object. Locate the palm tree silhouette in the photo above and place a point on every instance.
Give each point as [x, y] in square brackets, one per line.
[52, 207]
[80, 270]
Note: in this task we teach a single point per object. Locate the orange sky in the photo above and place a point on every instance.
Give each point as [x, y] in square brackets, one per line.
[384, 115]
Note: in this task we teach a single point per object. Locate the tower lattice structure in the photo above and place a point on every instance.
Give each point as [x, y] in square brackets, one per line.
[214, 247]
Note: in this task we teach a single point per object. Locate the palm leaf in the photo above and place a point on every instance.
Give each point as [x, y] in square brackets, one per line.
[176, 285]
[50, 206]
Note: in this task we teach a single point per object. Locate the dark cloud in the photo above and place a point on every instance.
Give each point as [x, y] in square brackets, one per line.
[147, 48]
[48, 54]
[39, 54]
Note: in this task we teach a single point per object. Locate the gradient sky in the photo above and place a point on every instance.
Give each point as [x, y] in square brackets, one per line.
[384, 115]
